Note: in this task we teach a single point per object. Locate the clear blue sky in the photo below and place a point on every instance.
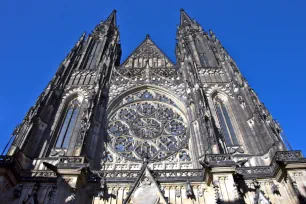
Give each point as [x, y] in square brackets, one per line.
[267, 38]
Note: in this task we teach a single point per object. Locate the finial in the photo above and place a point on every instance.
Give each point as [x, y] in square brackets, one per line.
[115, 11]
[181, 9]
[147, 36]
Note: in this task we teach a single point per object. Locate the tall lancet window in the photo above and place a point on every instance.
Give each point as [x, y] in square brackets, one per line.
[203, 59]
[68, 124]
[225, 123]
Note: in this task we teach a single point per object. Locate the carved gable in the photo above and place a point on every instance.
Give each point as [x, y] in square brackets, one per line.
[147, 53]
[146, 190]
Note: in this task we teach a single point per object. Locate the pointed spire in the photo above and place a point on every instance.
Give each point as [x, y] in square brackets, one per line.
[76, 46]
[111, 19]
[184, 18]
[109, 22]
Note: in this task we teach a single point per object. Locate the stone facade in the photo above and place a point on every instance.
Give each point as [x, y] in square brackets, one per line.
[149, 130]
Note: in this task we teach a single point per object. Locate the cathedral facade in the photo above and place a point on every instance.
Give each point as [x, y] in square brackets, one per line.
[149, 130]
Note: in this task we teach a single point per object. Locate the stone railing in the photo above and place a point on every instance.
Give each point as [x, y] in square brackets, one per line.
[39, 175]
[142, 74]
[210, 70]
[211, 160]
[270, 171]
[288, 156]
[179, 175]
[257, 171]
[159, 175]
[217, 157]
[72, 160]
[218, 160]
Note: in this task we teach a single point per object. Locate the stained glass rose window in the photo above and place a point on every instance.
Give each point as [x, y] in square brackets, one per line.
[147, 124]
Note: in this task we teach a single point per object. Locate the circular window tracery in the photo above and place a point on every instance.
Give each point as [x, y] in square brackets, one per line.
[147, 124]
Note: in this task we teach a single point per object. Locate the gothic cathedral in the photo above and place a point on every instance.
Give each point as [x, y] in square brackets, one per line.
[148, 130]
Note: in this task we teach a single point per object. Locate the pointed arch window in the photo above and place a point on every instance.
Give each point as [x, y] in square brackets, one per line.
[226, 123]
[68, 124]
[203, 59]
[202, 55]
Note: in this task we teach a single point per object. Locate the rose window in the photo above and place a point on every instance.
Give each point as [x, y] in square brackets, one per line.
[147, 127]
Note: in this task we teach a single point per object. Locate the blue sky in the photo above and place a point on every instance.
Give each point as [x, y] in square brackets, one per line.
[267, 39]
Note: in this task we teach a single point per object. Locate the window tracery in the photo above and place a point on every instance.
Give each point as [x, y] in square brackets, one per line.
[147, 124]
[225, 122]
[148, 95]
[68, 124]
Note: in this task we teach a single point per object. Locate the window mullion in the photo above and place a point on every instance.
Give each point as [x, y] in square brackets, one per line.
[70, 128]
[67, 127]
[63, 128]
[222, 122]
[230, 126]
[226, 122]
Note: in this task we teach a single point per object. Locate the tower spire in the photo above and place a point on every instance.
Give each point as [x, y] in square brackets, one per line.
[111, 19]
[184, 17]
[109, 22]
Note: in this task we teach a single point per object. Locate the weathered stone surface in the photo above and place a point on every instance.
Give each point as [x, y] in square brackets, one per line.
[150, 130]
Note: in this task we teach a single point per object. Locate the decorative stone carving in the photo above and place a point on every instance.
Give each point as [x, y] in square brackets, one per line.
[256, 170]
[241, 101]
[103, 188]
[145, 120]
[225, 88]
[217, 157]
[259, 198]
[38, 173]
[160, 175]
[288, 156]
[71, 160]
[57, 152]
[201, 191]
[210, 70]
[189, 191]
[218, 195]
[145, 193]
[251, 122]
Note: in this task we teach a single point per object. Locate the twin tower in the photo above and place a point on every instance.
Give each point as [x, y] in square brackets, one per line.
[149, 130]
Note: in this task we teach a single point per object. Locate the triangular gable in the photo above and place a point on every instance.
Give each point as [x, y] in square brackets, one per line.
[145, 190]
[147, 53]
